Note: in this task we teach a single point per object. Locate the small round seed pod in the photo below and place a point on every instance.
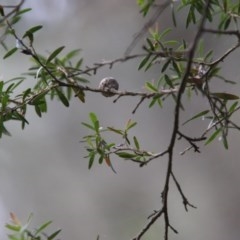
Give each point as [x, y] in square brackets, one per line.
[108, 84]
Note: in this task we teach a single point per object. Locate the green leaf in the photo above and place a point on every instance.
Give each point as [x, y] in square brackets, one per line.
[93, 117]
[165, 66]
[118, 131]
[100, 160]
[150, 63]
[136, 142]
[225, 96]
[208, 55]
[197, 116]
[144, 61]
[32, 30]
[79, 63]
[227, 23]
[150, 87]
[130, 124]
[152, 102]
[5, 131]
[52, 236]
[164, 33]
[213, 136]
[173, 16]
[1, 86]
[159, 101]
[125, 155]
[42, 227]
[80, 94]
[21, 118]
[26, 93]
[54, 54]
[23, 11]
[176, 68]
[14, 86]
[88, 126]
[38, 98]
[38, 110]
[91, 160]
[4, 100]
[10, 52]
[14, 228]
[225, 142]
[152, 48]
[168, 81]
[71, 55]
[15, 20]
[233, 107]
[62, 97]
[95, 121]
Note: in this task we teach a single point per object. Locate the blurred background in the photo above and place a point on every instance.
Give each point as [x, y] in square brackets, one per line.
[43, 169]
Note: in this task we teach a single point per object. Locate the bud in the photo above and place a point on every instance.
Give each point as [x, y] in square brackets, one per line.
[108, 84]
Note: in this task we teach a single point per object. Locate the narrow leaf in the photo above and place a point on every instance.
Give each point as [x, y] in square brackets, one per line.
[150, 87]
[62, 98]
[136, 142]
[32, 30]
[225, 142]
[225, 96]
[93, 117]
[52, 236]
[126, 155]
[13, 227]
[54, 54]
[213, 136]
[23, 11]
[38, 98]
[165, 66]
[91, 160]
[88, 125]
[168, 81]
[233, 107]
[197, 116]
[144, 61]
[10, 52]
[118, 131]
[71, 55]
[130, 124]
[42, 227]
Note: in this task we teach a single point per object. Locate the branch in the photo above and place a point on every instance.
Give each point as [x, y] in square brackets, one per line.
[151, 222]
[177, 113]
[185, 200]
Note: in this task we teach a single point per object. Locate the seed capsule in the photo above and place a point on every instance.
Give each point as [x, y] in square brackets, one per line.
[108, 84]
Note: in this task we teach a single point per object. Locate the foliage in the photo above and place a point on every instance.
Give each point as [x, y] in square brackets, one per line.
[18, 231]
[185, 69]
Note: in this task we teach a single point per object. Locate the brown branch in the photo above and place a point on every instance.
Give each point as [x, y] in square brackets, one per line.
[178, 55]
[192, 140]
[185, 200]
[214, 31]
[176, 116]
[151, 222]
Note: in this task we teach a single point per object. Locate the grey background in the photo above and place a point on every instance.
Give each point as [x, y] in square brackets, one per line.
[43, 170]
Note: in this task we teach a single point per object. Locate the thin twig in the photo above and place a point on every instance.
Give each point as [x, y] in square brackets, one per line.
[185, 200]
[151, 222]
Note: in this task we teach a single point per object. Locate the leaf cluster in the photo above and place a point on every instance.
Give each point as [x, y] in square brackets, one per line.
[19, 231]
